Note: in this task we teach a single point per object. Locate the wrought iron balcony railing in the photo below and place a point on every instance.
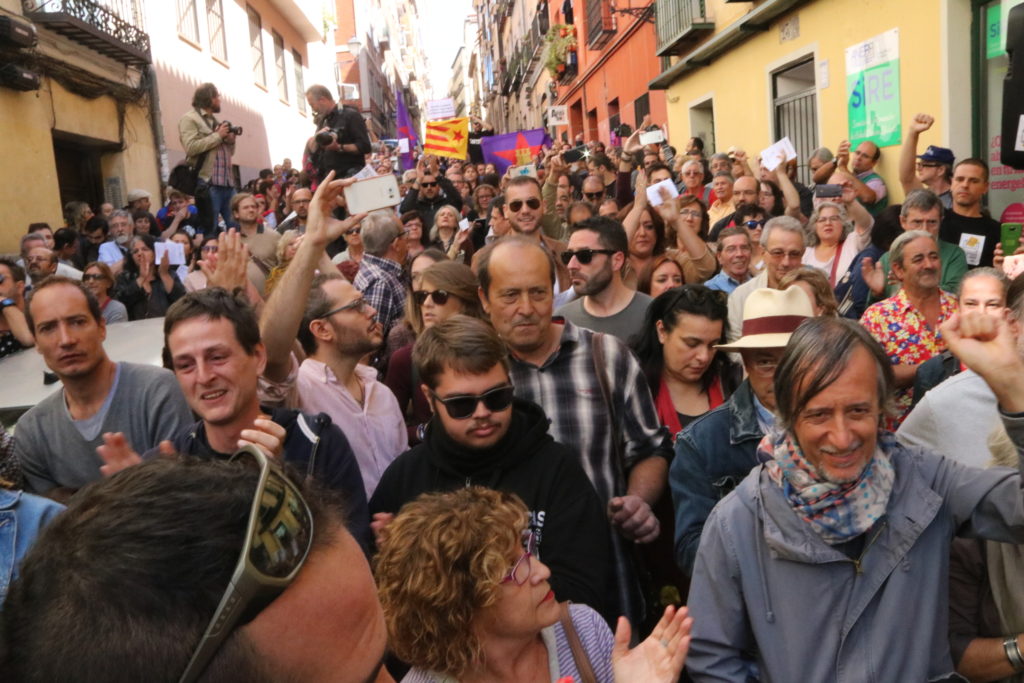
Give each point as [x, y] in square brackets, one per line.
[679, 22]
[111, 27]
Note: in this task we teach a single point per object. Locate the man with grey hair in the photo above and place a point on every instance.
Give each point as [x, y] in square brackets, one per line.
[783, 243]
[907, 323]
[718, 162]
[931, 424]
[692, 178]
[921, 210]
[381, 278]
[830, 560]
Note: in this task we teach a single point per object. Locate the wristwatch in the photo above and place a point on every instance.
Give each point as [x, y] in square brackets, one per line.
[7, 302]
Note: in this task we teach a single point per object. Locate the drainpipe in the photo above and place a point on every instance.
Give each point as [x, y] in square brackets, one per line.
[162, 168]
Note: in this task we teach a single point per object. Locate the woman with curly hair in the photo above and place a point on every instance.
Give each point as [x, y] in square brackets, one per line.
[466, 599]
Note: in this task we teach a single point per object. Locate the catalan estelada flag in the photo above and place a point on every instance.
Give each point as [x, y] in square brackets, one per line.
[447, 138]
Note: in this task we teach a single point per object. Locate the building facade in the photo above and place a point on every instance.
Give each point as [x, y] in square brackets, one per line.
[77, 109]
[821, 71]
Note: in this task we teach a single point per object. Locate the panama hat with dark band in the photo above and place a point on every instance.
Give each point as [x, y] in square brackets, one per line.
[770, 316]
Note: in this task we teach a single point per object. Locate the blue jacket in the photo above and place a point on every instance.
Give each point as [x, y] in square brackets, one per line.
[22, 517]
[707, 466]
[764, 581]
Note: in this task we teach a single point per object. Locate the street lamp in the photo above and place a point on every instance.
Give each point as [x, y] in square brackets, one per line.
[354, 45]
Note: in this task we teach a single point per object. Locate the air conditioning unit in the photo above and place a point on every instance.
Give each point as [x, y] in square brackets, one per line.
[18, 78]
[17, 33]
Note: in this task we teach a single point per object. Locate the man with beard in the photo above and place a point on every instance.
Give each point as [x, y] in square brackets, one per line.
[595, 257]
[121, 230]
[337, 328]
[907, 323]
[209, 144]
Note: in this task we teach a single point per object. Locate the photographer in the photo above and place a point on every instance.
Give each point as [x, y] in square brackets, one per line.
[209, 145]
[341, 142]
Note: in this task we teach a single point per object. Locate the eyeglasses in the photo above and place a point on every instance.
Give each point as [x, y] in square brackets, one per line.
[830, 219]
[438, 296]
[593, 195]
[353, 231]
[922, 164]
[520, 571]
[585, 255]
[463, 406]
[359, 306]
[782, 253]
[765, 366]
[690, 213]
[278, 538]
[754, 225]
[516, 204]
[433, 184]
[88, 277]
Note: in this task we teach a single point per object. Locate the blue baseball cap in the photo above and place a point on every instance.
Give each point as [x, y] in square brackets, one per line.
[940, 155]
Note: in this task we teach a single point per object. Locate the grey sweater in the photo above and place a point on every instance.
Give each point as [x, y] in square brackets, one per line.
[147, 406]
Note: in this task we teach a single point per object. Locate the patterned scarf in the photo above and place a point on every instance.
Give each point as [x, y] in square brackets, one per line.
[837, 512]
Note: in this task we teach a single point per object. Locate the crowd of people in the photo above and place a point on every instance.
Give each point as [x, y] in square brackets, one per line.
[633, 409]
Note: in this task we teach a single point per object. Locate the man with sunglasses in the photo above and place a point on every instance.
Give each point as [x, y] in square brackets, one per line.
[430, 192]
[595, 258]
[932, 170]
[618, 439]
[144, 563]
[481, 434]
[525, 213]
[337, 328]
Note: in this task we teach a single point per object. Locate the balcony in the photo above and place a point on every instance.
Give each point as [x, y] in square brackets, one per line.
[600, 24]
[679, 23]
[113, 28]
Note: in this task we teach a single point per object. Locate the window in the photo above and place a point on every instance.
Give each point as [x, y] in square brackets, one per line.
[641, 108]
[793, 95]
[300, 82]
[259, 72]
[702, 124]
[215, 24]
[279, 68]
[188, 20]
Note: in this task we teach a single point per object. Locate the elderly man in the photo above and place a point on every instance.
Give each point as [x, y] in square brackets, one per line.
[830, 560]
[381, 278]
[717, 450]
[907, 323]
[734, 253]
[39, 261]
[722, 184]
[859, 166]
[783, 245]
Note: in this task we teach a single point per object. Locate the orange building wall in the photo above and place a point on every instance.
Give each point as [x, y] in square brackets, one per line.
[621, 69]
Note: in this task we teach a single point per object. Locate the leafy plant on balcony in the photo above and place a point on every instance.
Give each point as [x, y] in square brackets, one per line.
[561, 48]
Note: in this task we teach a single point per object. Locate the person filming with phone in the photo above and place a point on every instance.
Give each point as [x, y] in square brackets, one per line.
[341, 142]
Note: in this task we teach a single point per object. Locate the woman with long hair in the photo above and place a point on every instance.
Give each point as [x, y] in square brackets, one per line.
[456, 244]
[146, 288]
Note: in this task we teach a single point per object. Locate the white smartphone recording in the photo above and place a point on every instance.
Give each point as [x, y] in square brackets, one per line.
[379, 192]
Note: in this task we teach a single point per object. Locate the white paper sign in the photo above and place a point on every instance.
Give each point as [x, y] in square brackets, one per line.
[558, 115]
[464, 224]
[972, 245]
[440, 109]
[367, 172]
[174, 250]
[654, 137]
[770, 155]
[110, 253]
[403, 145]
[654, 192]
[528, 169]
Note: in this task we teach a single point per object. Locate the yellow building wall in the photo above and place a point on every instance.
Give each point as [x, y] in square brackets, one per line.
[29, 182]
[740, 80]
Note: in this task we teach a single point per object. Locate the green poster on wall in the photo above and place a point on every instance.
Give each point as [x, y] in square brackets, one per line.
[993, 32]
[873, 90]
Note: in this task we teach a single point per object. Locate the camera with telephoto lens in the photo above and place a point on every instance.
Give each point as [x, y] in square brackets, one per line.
[237, 130]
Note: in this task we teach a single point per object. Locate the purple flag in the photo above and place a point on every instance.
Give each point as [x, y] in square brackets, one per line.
[405, 130]
[514, 149]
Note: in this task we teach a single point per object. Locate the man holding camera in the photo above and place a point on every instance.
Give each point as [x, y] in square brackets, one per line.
[341, 142]
[209, 144]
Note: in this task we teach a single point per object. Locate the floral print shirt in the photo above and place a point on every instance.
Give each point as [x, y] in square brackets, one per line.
[906, 338]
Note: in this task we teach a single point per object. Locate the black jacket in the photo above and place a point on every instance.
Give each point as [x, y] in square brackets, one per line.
[350, 127]
[428, 207]
[564, 508]
[313, 446]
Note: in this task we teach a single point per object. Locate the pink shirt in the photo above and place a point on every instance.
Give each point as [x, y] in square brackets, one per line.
[375, 430]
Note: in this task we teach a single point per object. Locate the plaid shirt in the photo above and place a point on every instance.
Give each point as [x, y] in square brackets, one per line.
[221, 174]
[382, 283]
[568, 389]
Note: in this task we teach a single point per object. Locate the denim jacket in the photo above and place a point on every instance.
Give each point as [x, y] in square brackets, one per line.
[708, 466]
[22, 517]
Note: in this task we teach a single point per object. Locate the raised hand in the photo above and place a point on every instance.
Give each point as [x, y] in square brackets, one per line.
[987, 345]
[843, 154]
[266, 435]
[660, 657]
[873, 276]
[921, 123]
[232, 263]
[321, 225]
[116, 453]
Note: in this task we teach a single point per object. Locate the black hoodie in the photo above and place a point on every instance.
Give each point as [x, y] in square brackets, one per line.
[564, 508]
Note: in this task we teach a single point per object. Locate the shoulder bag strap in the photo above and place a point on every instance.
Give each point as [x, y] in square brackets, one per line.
[579, 655]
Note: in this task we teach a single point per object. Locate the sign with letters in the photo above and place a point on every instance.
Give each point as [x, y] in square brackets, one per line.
[873, 90]
[558, 115]
[440, 109]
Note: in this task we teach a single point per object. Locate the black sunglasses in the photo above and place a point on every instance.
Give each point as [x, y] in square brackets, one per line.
[439, 296]
[434, 184]
[753, 225]
[278, 538]
[462, 407]
[593, 195]
[353, 231]
[517, 204]
[584, 256]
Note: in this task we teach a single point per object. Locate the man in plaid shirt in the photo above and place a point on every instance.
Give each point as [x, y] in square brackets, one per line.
[200, 133]
[380, 277]
[553, 364]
